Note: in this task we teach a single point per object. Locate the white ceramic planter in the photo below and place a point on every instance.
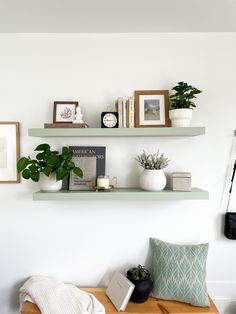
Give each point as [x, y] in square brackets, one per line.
[152, 180]
[180, 117]
[49, 184]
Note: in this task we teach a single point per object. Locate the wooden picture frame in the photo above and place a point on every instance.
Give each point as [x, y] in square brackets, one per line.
[9, 152]
[64, 111]
[151, 108]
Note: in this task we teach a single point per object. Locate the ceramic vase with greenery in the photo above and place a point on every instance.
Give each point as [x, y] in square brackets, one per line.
[49, 167]
[140, 277]
[182, 104]
[153, 177]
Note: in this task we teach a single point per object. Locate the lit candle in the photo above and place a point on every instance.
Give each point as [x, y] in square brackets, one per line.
[103, 182]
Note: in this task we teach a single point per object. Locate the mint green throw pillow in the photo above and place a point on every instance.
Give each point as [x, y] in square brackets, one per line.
[179, 272]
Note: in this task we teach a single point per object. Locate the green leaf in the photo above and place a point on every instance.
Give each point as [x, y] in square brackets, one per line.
[42, 164]
[40, 156]
[34, 176]
[51, 160]
[70, 165]
[26, 174]
[22, 164]
[42, 147]
[33, 168]
[61, 173]
[47, 170]
[78, 172]
[66, 153]
[65, 150]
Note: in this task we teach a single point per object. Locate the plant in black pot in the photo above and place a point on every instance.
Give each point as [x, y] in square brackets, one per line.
[141, 278]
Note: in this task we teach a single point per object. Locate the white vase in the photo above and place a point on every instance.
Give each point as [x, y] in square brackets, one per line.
[152, 180]
[180, 117]
[49, 183]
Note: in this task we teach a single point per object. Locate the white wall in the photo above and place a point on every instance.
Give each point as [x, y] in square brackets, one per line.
[83, 242]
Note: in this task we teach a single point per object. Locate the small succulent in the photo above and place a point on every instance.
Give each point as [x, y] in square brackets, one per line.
[138, 273]
[152, 161]
[184, 95]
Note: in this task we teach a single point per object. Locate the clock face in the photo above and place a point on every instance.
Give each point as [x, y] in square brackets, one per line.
[110, 120]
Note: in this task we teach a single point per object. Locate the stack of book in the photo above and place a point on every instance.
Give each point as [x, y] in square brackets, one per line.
[125, 109]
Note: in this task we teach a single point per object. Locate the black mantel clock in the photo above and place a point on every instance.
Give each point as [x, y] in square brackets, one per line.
[109, 119]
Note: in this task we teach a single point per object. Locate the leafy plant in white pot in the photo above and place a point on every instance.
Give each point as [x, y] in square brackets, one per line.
[153, 177]
[182, 104]
[49, 167]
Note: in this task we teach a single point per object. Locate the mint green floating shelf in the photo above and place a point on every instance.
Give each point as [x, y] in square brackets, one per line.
[121, 132]
[121, 194]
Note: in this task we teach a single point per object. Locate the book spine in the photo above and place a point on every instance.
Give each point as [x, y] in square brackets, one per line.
[127, 114]
[131, 112]
[124, 113]
[119, 110]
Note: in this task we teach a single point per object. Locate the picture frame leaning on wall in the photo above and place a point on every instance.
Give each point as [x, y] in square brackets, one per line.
[9, 152]
[151, 108]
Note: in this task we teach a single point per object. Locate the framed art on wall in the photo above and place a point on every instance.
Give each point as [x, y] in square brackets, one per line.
[64, 111]
[151, 108]
[9, 152]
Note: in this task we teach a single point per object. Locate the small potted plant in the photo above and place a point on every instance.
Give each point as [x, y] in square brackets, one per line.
[182, 104]
[141, 278]
[49, 167]
[153, 177]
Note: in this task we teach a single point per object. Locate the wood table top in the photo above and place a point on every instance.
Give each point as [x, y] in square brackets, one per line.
[151, 306]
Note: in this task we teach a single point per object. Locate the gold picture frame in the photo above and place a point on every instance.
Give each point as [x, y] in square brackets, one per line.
[151, 108]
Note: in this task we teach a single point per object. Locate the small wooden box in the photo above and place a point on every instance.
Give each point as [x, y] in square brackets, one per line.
[181, 181]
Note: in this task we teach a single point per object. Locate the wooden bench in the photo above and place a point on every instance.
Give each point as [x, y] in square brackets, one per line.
[151, 306]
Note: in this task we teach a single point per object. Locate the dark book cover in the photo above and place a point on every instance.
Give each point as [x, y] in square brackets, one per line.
[92, 161]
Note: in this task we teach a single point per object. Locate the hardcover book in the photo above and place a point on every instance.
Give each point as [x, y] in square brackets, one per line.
[92, 161]
[119, 106]
[119, 291]
[130, 112]
[124, 113]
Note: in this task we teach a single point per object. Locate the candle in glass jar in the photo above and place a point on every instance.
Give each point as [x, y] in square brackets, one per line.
[103, 182]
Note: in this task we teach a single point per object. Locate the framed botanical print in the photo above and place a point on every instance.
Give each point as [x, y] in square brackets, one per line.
[9, 152]
[151, 108]
[64, 111]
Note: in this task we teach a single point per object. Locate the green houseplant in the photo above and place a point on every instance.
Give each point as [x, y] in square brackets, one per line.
[182, 103]
[49, 166]
[141, 278]
[153, 177]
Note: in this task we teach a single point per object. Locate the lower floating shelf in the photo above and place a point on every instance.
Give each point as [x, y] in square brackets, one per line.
[122, 194]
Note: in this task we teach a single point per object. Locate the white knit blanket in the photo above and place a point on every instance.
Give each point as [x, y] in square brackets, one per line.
[55, 297]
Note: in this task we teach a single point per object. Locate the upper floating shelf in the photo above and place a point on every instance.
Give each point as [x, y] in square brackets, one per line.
[120, 132]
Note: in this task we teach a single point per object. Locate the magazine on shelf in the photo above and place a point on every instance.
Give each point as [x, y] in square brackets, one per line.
[119, 291]
[92, 161]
